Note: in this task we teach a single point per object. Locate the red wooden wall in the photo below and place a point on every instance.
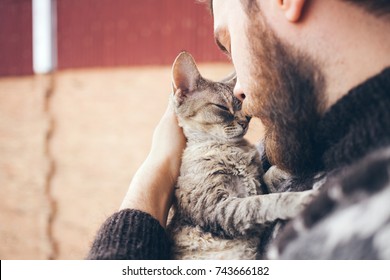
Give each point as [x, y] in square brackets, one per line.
[107, 33]
[15, 37]
[132, 32]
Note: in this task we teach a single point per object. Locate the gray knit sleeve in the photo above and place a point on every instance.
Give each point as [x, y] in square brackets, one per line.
[130, 234]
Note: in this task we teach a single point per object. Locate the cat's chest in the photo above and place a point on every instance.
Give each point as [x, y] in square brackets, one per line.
[236, 168]
[240, 161]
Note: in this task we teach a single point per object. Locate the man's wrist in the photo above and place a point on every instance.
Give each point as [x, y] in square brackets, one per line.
[151, 190]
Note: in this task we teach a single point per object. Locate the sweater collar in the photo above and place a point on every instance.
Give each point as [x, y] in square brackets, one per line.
[357, 124]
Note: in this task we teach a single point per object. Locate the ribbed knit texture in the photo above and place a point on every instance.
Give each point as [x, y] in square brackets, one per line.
[130, 234]
[357, 124]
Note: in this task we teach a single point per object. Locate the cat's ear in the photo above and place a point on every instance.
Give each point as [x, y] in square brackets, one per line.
[185, 74]
[230, 80]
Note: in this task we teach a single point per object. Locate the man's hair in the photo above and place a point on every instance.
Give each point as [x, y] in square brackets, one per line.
[378, 7]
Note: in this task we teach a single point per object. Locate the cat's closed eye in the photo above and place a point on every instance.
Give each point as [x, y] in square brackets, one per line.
[224, 108]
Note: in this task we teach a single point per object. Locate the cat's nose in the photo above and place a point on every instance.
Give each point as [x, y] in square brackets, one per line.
[238, 92]
[243, 124]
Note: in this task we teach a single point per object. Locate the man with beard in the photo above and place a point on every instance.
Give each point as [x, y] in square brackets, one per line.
[317, 74]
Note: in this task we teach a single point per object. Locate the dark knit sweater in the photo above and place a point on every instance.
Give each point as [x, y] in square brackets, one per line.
[130, 234]
[355, 126]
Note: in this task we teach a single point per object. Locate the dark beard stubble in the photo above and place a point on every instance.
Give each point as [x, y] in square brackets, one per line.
[287, 95]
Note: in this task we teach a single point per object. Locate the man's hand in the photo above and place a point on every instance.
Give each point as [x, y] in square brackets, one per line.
[151, 189]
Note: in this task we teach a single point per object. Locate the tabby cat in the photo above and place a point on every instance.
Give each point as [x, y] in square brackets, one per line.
[219, 207]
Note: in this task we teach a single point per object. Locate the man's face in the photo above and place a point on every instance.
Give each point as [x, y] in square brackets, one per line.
[276, 83]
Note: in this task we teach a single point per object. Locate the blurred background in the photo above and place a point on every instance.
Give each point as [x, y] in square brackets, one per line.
[78, 107]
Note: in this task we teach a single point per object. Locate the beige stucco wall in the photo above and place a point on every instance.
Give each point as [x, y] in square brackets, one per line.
[69, 146]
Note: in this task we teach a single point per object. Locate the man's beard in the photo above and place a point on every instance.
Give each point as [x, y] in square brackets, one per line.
[287, 95]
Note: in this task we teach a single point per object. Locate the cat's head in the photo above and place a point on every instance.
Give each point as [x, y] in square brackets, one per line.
[206, 109]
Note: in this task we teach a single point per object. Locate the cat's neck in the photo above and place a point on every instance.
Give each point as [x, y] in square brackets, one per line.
[196, 138]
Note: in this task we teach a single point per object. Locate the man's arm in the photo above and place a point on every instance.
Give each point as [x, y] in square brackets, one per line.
[130, 235]
[137, 231]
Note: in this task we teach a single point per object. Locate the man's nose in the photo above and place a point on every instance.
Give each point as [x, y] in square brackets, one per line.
[238, 92]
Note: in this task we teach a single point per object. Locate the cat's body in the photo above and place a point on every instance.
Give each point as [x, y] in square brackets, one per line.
[219, 208]
[214, 174]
